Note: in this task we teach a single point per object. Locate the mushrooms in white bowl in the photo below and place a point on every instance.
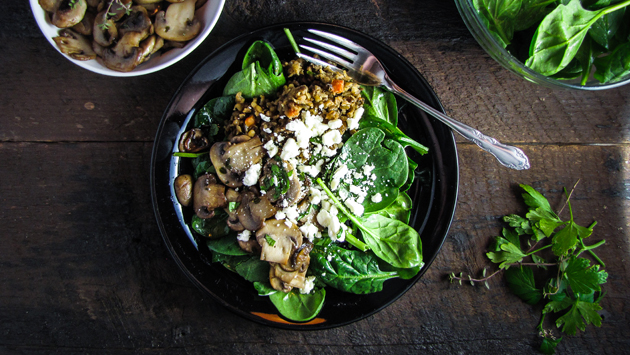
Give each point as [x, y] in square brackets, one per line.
[125, 37]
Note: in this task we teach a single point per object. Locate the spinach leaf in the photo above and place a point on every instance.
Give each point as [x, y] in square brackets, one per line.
[392, 132]
[498, 16]
[393, 241]
[229, 261]
[216, 110]
[380, 103]
[531, 13]
[369, 147]
[254, 270]
[264, 288]
[560, 35]
[215, 227]
[261, 73]
[298, 307]
[202, 165]
[603, 30]
[615, 66]
[348, 270]
[399, 210]
[227, 245]
[411, 176]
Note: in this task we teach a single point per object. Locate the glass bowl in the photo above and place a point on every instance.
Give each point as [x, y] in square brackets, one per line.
[513, 64]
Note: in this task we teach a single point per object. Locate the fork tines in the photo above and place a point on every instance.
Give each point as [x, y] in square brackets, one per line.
[338, 51]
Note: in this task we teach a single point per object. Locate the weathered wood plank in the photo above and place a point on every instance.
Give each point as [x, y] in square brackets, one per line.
[85, 270]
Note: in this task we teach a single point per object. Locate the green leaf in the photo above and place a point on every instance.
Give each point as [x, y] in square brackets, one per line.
[254, 270]
[216, 110]
[535, 199]
[582, 278]
[589, 312]
[393, 241]
[505, 252]
[521, 225]
[559, 305]
[580, 314]
[549, 345]
[531, 13]
[215, 227]
[227, 245]
[380, 103]
[392, 132]
[264, 288]
[400, 209]
[348, 270]
[615, 66]
[261, 73]
[559, 36]
[548, 226]
[298, 307]
[565, 239]
[521, 281]
[498, 16]
[604, 29]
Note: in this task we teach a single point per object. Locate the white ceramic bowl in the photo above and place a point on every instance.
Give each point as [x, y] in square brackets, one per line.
[208, 15]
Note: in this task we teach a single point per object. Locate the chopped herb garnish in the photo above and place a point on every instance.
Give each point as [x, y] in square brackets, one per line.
[270, 240]
[232, 206]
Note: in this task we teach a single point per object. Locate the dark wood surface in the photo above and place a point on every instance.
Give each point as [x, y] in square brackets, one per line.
[83, 266]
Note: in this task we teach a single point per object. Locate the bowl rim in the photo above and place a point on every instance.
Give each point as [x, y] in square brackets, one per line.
[208, 15]
[507, 60]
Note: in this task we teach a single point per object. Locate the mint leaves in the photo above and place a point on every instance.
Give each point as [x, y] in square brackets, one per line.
[541, 245]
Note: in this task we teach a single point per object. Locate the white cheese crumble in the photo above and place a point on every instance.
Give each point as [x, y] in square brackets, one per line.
[331, 137]
[376, 198]
[265, 117]
[252, 174]
[271, 148]
[356, 208]
[334, 124]
[290, 149]
[244, 235]
[310, 231]
[280, 215]
[309, 284]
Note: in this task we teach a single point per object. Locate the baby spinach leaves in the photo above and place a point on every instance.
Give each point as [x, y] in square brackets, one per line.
[381, 104]
[393, 241]
[299, 307]
[348, 270]
[261, 73]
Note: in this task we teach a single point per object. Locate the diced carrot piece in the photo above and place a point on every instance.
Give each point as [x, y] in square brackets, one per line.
[337, 86]
[249, 121]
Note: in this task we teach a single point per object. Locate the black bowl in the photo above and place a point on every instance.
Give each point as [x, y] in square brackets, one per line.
[434, 192]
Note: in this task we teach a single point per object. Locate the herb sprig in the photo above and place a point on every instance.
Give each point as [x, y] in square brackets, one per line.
[121, 7]
[572, 288]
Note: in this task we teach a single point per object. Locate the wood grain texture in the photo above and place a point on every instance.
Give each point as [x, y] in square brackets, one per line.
[83, 268]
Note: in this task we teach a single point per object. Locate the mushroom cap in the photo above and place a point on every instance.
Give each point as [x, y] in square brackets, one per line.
[207, 196]
[232, 159]
[104, 30]
[86, 25]
[125, 55]
[68, 13]
[286, 240]
[75, 45]
[193, 141]
[183, 185]
[178, 22]
[137, 21]
[49, 5]
[254, 209]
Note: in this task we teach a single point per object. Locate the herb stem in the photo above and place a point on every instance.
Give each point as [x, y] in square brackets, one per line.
[537, 250]
[289, 35]
[354, 241]
[189, 155]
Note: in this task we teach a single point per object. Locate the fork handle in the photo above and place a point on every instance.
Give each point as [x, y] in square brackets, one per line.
[507, 155]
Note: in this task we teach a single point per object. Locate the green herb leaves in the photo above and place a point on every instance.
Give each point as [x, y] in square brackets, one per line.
[261, 73]
[572, 282]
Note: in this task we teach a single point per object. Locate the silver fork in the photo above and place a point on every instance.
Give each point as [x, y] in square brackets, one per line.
[365, 69]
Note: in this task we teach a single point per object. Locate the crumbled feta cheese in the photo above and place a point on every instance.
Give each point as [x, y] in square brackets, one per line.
[252, 174]
[315, 196]
[272, 149]
[339, 174]
[290, 149]
[288, 223]
[343, 194]
[356, 208]
[367, 169]
[329, 152]
[309, 284]
[302, 133]
[244, 235]
[265, 117]
[291, 213]
[280, 215]
[267, 130]
[376, 198]
[331, 137]
[331, 221]
[334, 124]
[310, 231]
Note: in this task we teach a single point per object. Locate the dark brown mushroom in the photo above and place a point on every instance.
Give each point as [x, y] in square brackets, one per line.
[86, 25]
[137, 21]
[69, 13]
[178, 22]
[254, 210]
[232, 159]
[207, 196]
[281, 183]
[183, 186]
[234, 201]
[125, 55]
[75, 45]
[278, 241]
[104, 30]
[251, 246]
[49, 5]
[193, 141]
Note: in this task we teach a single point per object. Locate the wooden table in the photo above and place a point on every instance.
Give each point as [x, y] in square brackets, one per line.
[83, 266]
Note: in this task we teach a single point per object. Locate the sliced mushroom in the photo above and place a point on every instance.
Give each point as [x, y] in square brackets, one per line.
[278, 241]
[254, 210]
[281, 182]
[86, 25]
[125, 55]
[178, 22]
[183, 189]
[147, 2]
[251, 246]
[193, 141]
[207, 196]
[116, 12]
[104, 29]
[232, 159]
[75, 45]
[68, 13]
[234, 197]
[137, 21]
[49, 5]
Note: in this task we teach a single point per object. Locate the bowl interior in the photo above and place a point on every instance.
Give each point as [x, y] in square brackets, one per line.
[208, 15]
[434, 191]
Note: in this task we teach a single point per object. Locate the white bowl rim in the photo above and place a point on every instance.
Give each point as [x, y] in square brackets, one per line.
[208, 15]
